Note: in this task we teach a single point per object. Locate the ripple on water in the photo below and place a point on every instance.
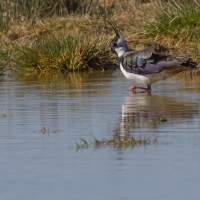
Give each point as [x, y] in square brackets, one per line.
[39, 164]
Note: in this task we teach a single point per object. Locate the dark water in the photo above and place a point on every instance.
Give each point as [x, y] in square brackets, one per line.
[39, 164]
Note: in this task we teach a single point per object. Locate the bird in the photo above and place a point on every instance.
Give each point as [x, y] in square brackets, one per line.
[148, 65]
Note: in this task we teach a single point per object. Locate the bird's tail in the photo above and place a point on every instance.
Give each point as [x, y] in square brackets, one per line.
[190, 63]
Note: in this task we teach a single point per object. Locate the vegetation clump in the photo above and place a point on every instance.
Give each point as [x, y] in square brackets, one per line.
[116, 142]
[63, 52]
[158, 120]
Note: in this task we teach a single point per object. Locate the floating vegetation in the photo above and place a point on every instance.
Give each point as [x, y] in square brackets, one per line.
[158, 120]
[3, 114]
[116, 142]
[43, 130]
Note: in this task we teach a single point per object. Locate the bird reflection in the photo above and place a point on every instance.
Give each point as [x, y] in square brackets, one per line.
[140, 109]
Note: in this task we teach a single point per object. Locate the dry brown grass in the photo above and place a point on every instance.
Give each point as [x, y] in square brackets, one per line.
[131, 18]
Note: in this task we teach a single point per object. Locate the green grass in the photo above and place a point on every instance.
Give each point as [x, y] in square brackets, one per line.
[176, 19]
[5, 58]
[63, 52]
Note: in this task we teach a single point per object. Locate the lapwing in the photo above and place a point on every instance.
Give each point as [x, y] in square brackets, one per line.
[146, 66]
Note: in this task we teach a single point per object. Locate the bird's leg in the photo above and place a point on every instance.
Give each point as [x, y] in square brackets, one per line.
[148, 89]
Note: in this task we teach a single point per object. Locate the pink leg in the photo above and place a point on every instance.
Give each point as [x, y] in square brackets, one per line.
[148, 89]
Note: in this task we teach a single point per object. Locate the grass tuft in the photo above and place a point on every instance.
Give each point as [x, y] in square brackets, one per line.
[116, 142]
[71, 53]
[5, 58]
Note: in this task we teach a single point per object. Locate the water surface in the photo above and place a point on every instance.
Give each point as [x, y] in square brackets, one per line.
[39, 164]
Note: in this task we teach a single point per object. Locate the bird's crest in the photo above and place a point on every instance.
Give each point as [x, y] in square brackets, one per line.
[113, 26]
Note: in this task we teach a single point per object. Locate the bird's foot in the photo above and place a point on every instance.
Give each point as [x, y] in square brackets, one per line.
[133, 88]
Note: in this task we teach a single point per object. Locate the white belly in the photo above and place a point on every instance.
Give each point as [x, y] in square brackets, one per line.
[146, 79]
[139, 79]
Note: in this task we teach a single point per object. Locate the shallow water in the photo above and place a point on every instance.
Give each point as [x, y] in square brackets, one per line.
[39, 164]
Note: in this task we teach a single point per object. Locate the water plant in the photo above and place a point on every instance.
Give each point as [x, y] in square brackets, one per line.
[158, 120]
[43, 130]
[116, 142]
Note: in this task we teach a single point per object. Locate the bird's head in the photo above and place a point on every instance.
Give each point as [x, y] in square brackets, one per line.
[118, 43]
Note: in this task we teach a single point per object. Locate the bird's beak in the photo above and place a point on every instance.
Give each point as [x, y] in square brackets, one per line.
[108, 50]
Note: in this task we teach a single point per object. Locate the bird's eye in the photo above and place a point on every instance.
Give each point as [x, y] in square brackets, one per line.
[115, 44]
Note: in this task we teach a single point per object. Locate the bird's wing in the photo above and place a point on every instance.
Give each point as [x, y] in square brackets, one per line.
[153, 64]
[152, 60]
[145, 53]
[138, 62]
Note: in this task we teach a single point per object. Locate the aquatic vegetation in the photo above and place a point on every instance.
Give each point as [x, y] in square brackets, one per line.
[3, 115]
[158, 120]
[116, 142]
[43, 130]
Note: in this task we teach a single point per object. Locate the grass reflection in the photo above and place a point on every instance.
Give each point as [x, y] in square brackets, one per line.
[73, 84]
